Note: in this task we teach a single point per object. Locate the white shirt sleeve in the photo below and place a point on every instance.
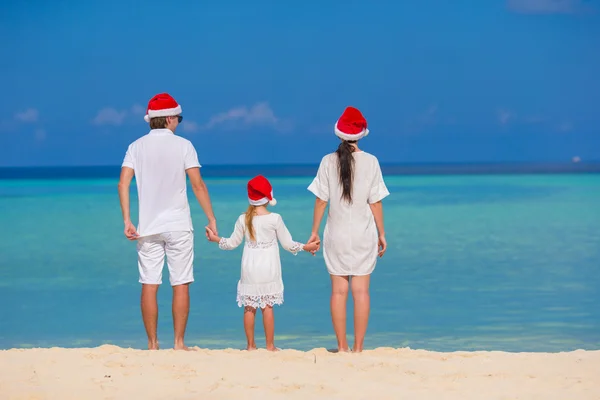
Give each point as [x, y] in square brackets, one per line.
[320, 184]
[285, 238]
[128, 161]
[191, 157]
[378, 189]
[236, 237]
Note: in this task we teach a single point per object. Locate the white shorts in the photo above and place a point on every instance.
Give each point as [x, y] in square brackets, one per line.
[179, 249]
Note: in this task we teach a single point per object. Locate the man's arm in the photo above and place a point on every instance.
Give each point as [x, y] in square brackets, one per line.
[201, 193]
[124, 183]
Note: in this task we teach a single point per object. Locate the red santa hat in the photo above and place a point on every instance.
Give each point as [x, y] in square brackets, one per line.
[260, 191]
[162, 105]
[351, 125]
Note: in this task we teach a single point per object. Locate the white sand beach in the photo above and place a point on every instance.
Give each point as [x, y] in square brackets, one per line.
[110, 372]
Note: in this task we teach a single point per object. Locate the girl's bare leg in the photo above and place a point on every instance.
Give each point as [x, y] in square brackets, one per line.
[339, 297]
[249, 317]
[269, 325]
[362, 304]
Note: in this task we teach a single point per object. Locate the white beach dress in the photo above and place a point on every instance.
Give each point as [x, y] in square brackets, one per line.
[260, 284]
[350, 236]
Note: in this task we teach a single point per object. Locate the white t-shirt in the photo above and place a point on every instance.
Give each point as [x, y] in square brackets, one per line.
[160, 160]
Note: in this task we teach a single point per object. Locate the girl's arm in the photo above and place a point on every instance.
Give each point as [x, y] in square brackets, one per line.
[285, 238]
[231, 242]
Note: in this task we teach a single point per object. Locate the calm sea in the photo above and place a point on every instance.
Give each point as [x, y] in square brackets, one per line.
[480, 257]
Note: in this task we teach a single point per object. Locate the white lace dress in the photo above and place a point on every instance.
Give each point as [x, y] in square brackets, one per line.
[260, 284]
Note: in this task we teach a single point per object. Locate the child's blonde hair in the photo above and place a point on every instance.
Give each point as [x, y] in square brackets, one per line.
[249, 227]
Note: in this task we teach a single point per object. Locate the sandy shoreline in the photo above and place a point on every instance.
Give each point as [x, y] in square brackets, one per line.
[110, 372]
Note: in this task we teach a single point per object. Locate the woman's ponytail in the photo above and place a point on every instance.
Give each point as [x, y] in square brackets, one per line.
[346, 168]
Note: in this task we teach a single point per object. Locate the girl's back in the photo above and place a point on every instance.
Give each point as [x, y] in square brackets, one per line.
[260, 285]
[265, 229]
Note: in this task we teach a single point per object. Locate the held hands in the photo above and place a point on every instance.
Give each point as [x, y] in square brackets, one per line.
[312, 247]
[130, 231]
[314, 242]
[212, 225]
[211, 235]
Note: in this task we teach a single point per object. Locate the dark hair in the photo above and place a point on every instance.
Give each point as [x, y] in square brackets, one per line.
[346, 168]
[158, 123]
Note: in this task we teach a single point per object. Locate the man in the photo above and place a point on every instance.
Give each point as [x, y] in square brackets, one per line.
[160, 160]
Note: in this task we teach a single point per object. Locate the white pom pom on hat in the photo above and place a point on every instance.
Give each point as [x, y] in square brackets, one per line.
[260, 191]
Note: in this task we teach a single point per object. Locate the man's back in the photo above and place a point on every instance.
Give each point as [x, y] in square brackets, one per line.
[161, 163]
[160, 160]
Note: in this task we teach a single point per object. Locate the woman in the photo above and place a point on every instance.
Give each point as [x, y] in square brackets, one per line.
[351, 181]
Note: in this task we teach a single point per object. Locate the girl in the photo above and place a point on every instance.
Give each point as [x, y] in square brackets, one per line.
[350, 181]
[260, 285]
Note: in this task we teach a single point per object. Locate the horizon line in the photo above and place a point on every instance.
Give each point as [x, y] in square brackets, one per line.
[304, 170]
[312, 164]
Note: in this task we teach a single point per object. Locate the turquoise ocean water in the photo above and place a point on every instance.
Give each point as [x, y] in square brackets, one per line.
[495, 262]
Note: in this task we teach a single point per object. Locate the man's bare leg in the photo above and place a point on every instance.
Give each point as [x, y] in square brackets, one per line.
[269, 325]
[181, 310]
[249, 318]
[149, 307]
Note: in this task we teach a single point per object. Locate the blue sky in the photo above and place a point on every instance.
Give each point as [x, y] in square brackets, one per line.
[264, 81]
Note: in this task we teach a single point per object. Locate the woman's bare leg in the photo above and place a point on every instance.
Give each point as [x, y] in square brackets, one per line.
[249, 317]
[362, 305]
[269, 325]
[339, 297]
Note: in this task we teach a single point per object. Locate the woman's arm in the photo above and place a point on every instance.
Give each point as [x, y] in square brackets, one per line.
[377, 210]
[319, 211]
[320, 188]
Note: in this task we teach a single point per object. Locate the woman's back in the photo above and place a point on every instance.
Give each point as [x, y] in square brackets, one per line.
[350, 181]
[367, 184]
[350, 236]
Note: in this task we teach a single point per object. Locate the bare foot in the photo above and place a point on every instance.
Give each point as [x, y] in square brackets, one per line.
[273, 348]
[250, 348]
[184, 348]
[152, 345]
[345, 350]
